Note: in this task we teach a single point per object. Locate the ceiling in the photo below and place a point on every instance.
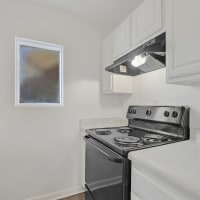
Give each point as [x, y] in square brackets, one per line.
[104, 15]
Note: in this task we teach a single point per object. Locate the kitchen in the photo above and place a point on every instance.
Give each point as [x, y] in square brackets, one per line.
[42, 149]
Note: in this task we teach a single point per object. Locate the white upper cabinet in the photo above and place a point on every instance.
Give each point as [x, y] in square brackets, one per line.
[143, 24]
[113, 83]
[121, 39]
[183, 42]
[146, 20]
[107, 59]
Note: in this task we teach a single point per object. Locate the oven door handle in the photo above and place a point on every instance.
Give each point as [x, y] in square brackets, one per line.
[111, 158]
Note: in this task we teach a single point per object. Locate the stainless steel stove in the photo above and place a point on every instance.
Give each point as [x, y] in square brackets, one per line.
[148, 127]
[107, 148]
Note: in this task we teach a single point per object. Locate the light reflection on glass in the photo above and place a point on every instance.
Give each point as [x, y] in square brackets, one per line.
[39, 75]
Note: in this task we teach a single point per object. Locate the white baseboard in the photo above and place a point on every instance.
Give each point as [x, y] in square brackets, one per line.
[59, 194]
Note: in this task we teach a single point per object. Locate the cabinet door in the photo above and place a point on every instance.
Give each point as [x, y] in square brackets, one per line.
[134, 196]
[113, 83]
[122, 84]
[149, 187]
[107, 59]
[183, 31]
[146, 20]
[121, 39]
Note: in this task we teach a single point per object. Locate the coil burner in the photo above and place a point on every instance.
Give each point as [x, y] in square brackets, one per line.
[103, 131]
[127, 141]
[124, 130]
[152, 138]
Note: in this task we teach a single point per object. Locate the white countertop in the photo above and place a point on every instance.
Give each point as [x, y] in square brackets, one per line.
[178, 165]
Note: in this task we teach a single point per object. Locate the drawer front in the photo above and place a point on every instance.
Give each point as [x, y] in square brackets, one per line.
[134, 196]
[147, 188]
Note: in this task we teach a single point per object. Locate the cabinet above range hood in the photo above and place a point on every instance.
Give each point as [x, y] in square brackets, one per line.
[146, 58]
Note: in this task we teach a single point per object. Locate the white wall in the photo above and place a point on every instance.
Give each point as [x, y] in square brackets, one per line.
[40, 147]
[150, 89]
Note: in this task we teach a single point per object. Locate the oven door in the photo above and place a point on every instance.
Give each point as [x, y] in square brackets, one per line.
[107, 174]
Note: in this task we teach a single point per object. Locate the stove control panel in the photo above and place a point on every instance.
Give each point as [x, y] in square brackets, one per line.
[169, 114]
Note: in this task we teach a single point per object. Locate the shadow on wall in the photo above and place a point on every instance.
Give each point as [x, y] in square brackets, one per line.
[114, 100]
[82, 64]
[194, 118]
[152, 89]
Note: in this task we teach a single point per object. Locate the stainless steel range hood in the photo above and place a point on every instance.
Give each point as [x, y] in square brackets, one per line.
[146, 58]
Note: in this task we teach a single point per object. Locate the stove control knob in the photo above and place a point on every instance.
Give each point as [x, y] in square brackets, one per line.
[174, 114]
[166, 113]
[134, 111]
[130, 110]
[148, 112]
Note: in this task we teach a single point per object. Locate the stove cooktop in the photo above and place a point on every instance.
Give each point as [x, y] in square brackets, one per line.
[125, 139]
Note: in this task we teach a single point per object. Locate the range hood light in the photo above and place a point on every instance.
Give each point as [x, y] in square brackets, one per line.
[139, 60]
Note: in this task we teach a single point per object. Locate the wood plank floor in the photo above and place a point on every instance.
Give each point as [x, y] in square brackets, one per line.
[75, 197]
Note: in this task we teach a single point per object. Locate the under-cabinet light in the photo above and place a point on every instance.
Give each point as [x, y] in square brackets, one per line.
[139, 60]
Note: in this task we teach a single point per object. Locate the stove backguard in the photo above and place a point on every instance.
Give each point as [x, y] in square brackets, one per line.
[165, 120]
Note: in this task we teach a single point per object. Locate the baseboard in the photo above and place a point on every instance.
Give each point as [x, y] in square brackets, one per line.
[59, 194]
